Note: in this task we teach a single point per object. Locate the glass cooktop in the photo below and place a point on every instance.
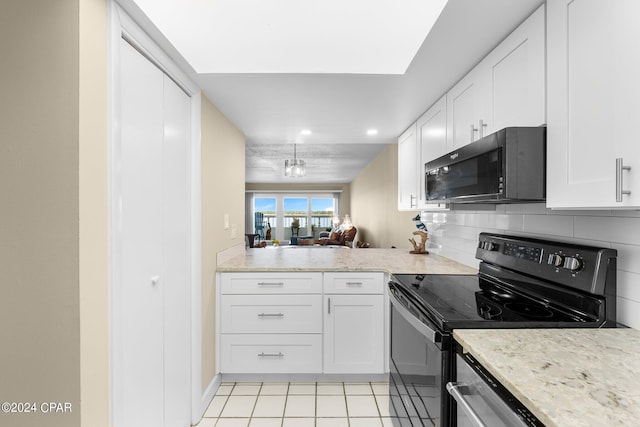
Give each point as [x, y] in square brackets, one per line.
[471, 301]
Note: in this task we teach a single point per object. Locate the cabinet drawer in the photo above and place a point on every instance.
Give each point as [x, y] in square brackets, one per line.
[271, 314]
[272, 283]
[271, 354]
[354, 283]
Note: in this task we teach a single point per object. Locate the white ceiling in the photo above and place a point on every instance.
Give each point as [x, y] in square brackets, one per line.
[293, 36]
[273, 108]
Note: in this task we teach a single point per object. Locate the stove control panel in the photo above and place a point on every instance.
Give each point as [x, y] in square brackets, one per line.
[577, 266]
[526, 252]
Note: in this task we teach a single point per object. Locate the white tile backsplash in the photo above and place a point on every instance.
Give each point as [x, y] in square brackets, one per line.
[609, 229]
[629, 285]
[454, 234]
[550, 225]
[628, 258]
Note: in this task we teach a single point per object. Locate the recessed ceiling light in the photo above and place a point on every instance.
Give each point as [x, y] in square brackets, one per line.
[305, 132]
[372, 132]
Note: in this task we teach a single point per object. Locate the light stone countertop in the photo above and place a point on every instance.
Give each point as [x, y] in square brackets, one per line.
[566, 377]
[327, 258]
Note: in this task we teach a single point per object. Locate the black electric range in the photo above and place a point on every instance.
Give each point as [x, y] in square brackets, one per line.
[521, 283]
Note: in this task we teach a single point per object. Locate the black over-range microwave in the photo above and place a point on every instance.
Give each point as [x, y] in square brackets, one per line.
[508, 166]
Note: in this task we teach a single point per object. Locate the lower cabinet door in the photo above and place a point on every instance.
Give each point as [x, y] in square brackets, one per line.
[271, 353]
[354, 334]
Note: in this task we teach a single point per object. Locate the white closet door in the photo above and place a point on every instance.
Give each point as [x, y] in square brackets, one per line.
[141, 346]
[152, 340]
[177, 296]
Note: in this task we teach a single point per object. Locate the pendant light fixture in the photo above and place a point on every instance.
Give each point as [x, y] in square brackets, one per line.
[295, 167]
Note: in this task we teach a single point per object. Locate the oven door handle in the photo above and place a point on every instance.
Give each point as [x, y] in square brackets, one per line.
[425, 330]
[454, 391]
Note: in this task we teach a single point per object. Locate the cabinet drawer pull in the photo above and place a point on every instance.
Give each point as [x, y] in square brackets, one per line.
[271, 315]
[278, 354]
[329, 306]
[270, 283]
[620, 168]
[355, 283]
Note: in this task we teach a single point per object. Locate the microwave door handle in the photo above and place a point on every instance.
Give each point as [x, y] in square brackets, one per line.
[454, 391]
[425, 330]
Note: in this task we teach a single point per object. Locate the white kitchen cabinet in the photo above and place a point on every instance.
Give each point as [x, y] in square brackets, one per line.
[432, 143]
[407, 169]
[262, 283]
[467, 118]
[507, 88]
[354, 334]
[593, 108]
[271, 353]
[283, 314]
[280, 328]
[354, 323]
[516, 71]
[271, 322]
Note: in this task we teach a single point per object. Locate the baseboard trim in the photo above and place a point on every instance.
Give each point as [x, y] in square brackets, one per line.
[365, 378]
[208, 394]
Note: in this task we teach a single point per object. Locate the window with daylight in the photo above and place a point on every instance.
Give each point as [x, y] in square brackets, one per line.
[289, 214]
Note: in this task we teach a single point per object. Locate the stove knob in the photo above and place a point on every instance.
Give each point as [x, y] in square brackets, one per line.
[556, 260]
[488, 246]
[572, 263]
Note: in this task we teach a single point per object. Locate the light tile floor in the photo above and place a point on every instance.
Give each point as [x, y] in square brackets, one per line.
[321, 404]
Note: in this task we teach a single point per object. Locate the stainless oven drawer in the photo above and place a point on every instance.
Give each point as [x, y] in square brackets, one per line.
[478, 405]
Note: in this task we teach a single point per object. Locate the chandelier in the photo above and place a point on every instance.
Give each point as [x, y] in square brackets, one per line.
[295, 167]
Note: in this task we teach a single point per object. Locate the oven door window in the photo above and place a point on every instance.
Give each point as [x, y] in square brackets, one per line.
[476, 176]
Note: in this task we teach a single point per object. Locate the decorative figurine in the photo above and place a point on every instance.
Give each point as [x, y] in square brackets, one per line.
[418, 248]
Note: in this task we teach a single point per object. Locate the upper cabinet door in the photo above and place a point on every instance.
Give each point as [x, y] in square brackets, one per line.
[516, 73]
[432, 143]
[465, 109]
[593, 104]
[407, 170]
[507, 88]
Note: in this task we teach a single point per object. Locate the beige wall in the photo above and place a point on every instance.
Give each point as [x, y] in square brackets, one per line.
[374, 206]
[93, 227]
[222, 193]
[39, 227]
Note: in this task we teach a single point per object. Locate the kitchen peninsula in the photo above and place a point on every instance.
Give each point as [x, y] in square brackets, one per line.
[312, 311]
[334, 258]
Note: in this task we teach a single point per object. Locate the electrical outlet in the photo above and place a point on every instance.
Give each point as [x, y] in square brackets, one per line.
[234, 231]
[226, 221]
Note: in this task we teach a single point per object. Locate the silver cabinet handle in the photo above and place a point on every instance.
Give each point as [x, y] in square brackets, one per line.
[270, 284]
[620, 168]
[473, 132]
[271, 315]
[278, 354]
[329, 305]
[412, 197]
[454, 391]
[481, 127]
[354, 283]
